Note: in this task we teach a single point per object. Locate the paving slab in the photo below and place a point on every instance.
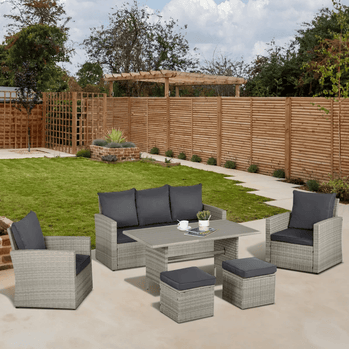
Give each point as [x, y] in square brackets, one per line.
[34, 153]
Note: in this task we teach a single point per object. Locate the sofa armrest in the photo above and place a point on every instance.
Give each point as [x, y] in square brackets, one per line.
[328, 231]
[43, 264]
[216, 213]
[277, 223]
[79, 244]
[105, 226]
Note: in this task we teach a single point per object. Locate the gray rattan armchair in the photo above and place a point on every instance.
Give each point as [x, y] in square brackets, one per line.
[304, 249]
[52, 277]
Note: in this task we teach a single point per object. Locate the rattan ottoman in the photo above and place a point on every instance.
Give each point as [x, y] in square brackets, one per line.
[186, 294]
[248, 282]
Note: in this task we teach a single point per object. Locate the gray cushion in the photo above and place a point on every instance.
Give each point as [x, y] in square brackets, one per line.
[82, 261]
[310, 208]
[187, 278]
[28, 234]
[248, 267]
[186, 202]
[153, 205]
[120, 206]
[294, 236]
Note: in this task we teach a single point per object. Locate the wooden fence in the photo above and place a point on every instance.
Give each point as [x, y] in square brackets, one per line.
[287, 133]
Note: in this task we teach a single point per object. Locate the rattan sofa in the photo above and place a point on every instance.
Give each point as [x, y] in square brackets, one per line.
[116, 251]
[323, 248]
[57, 276]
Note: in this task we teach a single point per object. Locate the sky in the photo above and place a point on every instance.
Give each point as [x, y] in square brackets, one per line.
[233, 28]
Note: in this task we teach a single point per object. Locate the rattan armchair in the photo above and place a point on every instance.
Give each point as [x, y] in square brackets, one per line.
[325, 251]
[46, 278]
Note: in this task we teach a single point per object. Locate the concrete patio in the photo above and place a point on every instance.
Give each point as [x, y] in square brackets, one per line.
[310, 311]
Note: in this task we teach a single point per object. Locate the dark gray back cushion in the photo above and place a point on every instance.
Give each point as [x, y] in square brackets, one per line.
[186, 202]
[120, 206]
[310, 208]
[28, 234]
[153, 205]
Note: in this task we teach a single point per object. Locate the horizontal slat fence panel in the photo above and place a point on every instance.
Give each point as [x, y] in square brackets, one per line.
[157, 124]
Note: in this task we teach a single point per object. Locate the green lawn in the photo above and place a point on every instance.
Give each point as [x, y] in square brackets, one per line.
[63, 191]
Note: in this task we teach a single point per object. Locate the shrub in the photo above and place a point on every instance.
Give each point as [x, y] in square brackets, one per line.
[340, 186]
[154, 150]
[253, 169]
[313, 185]
[279, 173]
[100, 142]
[167, 161]
[115, 136]
[128, 145]
[85, 153]
[109, 158]
[211, 161]
[169, 153]
[195, 158]
[230, 164]
[114, 145]
[182, 156]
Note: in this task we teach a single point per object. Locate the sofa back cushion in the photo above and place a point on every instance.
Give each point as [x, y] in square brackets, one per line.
[28, 234]
[153, 205]
[120, 206]
[186, 202]
[310, 208]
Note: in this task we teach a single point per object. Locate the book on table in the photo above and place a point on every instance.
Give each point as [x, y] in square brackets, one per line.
[200, 233]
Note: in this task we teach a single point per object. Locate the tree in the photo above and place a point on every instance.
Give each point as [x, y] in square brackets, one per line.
[41, 46]
[26, 13]
[27, 91]
[138, 41]
[331, 64]
[89, 74]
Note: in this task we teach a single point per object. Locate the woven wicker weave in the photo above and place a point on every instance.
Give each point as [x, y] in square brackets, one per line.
[325, 252]
[248, 292]
[187, 305]
[132, 254]
[47, 278]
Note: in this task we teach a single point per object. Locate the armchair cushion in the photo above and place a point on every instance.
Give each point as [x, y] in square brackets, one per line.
[28, 234]
[294, 236]
[153, 205]
[310, 208]
[120, 206]
[186, 202]
[82, 261]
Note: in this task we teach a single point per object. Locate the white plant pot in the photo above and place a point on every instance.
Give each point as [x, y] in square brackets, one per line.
[203, 225]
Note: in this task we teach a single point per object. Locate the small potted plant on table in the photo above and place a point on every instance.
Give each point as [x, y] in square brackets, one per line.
[204, 219]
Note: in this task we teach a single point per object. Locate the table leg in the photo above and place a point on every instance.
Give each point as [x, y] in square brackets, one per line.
[156, 261]
[230, 246]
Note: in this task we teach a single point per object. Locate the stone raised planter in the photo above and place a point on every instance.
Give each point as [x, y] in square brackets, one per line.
[121, 153]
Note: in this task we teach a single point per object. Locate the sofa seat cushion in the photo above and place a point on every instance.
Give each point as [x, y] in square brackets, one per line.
[120, 206]
[27, 233]
[82, 261]
[153, 205]
[294, 236]
[310, 208]
[122, 238]
[187, 278]
[249, 267]
[186, 202]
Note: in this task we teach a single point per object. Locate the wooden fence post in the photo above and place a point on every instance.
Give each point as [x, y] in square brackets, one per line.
[105, 113]
[147, 125]
[74, 121]
[219, 130]
[192, 129]
[168, 121]
[251, 131]
[288, 112]
[43, 130]
[129, 119]
[332, 141]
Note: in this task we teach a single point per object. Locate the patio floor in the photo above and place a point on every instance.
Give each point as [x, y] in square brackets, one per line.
[310, 311]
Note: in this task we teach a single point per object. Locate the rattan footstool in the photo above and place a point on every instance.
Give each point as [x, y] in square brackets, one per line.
[248, 282]
[186, 294]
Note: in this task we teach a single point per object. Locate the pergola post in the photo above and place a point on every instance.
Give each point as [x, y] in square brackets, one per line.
[177, 91]
[237, 90]
[111, 88]
[167, 87]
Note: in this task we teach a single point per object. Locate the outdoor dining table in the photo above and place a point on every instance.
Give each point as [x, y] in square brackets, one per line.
[168, 244]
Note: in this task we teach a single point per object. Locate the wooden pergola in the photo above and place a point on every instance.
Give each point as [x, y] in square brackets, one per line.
[176, 78]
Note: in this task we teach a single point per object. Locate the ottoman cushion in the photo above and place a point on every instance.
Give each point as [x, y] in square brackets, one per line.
[187, 278]
[248, 267]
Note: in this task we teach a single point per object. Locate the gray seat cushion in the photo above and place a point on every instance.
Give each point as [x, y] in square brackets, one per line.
[120, 206]
[82, 261]
[28, 234]
[310, 208]
[294, 236]
[187, 278]
[249, 267]
[153, 205]
[186, 202]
